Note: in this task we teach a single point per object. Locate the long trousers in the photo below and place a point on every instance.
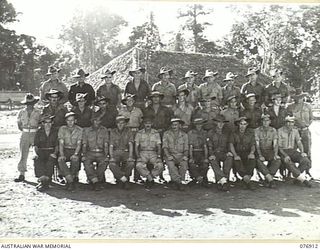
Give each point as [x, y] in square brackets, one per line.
[95, 173]
[177, 168]
[244, 166]
[198, 167]
[44, 165]
[304, 162]
[227, 165]
[273, 164]
[121, 166]
[26, 141]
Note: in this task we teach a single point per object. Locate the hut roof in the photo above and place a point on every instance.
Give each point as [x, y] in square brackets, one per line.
[180, 62]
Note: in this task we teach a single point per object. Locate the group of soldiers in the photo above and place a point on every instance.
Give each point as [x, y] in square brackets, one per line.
[147, 128]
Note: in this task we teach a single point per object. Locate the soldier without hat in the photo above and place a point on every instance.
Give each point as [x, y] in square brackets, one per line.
[95, 148]
[148, 151]
[218, 143]
[121, 152]
[242, 146]
[198, 153]
[267, 150]
[70, 141]
[176, 149]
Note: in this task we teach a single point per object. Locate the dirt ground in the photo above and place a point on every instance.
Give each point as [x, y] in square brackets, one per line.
[287, 212]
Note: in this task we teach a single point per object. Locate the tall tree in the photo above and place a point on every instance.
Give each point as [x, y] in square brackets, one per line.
[277, 36]
[146, 35]
[90, 35]
[192, 14]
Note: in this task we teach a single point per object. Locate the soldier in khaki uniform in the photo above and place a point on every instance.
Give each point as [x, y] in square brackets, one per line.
[28, 122]
[194, 90]
[218, 143]
[53, 83]
[267, 149]
[148, 151]
[251, 111]
[231, 113]
[165, 87]
[230, 89]
[175, 146]
[95, 148]
[242, 146]
[198, 153]
[289, 141]
[183, 109]
[121, 152]
[210, 88]
[70, 138]
[303, 113]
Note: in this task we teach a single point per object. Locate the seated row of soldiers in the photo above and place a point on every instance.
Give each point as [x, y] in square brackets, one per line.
[243, 148]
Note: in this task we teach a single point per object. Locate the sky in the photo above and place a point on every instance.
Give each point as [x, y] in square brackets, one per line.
[44, 19]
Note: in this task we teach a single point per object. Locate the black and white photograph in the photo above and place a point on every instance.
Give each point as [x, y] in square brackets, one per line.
[159, 121]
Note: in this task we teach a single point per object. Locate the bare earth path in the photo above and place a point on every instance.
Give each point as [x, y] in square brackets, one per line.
[288, 212]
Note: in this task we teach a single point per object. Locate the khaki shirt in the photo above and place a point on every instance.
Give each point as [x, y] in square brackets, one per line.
[27, 122]
[288, 139]
[208, 91]
[302, 114]
[218, 142]
[95, 138]
[148, 141]
[197, 139]
[194, 94]
[135, 116]
[230, 115]
[184, 113]
[242, 142]
[169, 91]
[70, 136]
[120, 139]
[175, 143]
[266, 136]
[47, 85]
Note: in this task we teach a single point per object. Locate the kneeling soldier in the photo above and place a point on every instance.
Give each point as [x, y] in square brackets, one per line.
[46, 150]
[242, 146]
[219, 152]
[95, 148]
[70, 138]
[198, 153]
[267, 148]
[289, 139]
[148, 150]
[175, 147]
[121, 152]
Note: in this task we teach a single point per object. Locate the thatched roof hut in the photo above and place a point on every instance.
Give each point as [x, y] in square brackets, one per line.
[180, 62]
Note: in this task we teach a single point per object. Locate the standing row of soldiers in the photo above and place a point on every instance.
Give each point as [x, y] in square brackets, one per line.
[188, 128]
